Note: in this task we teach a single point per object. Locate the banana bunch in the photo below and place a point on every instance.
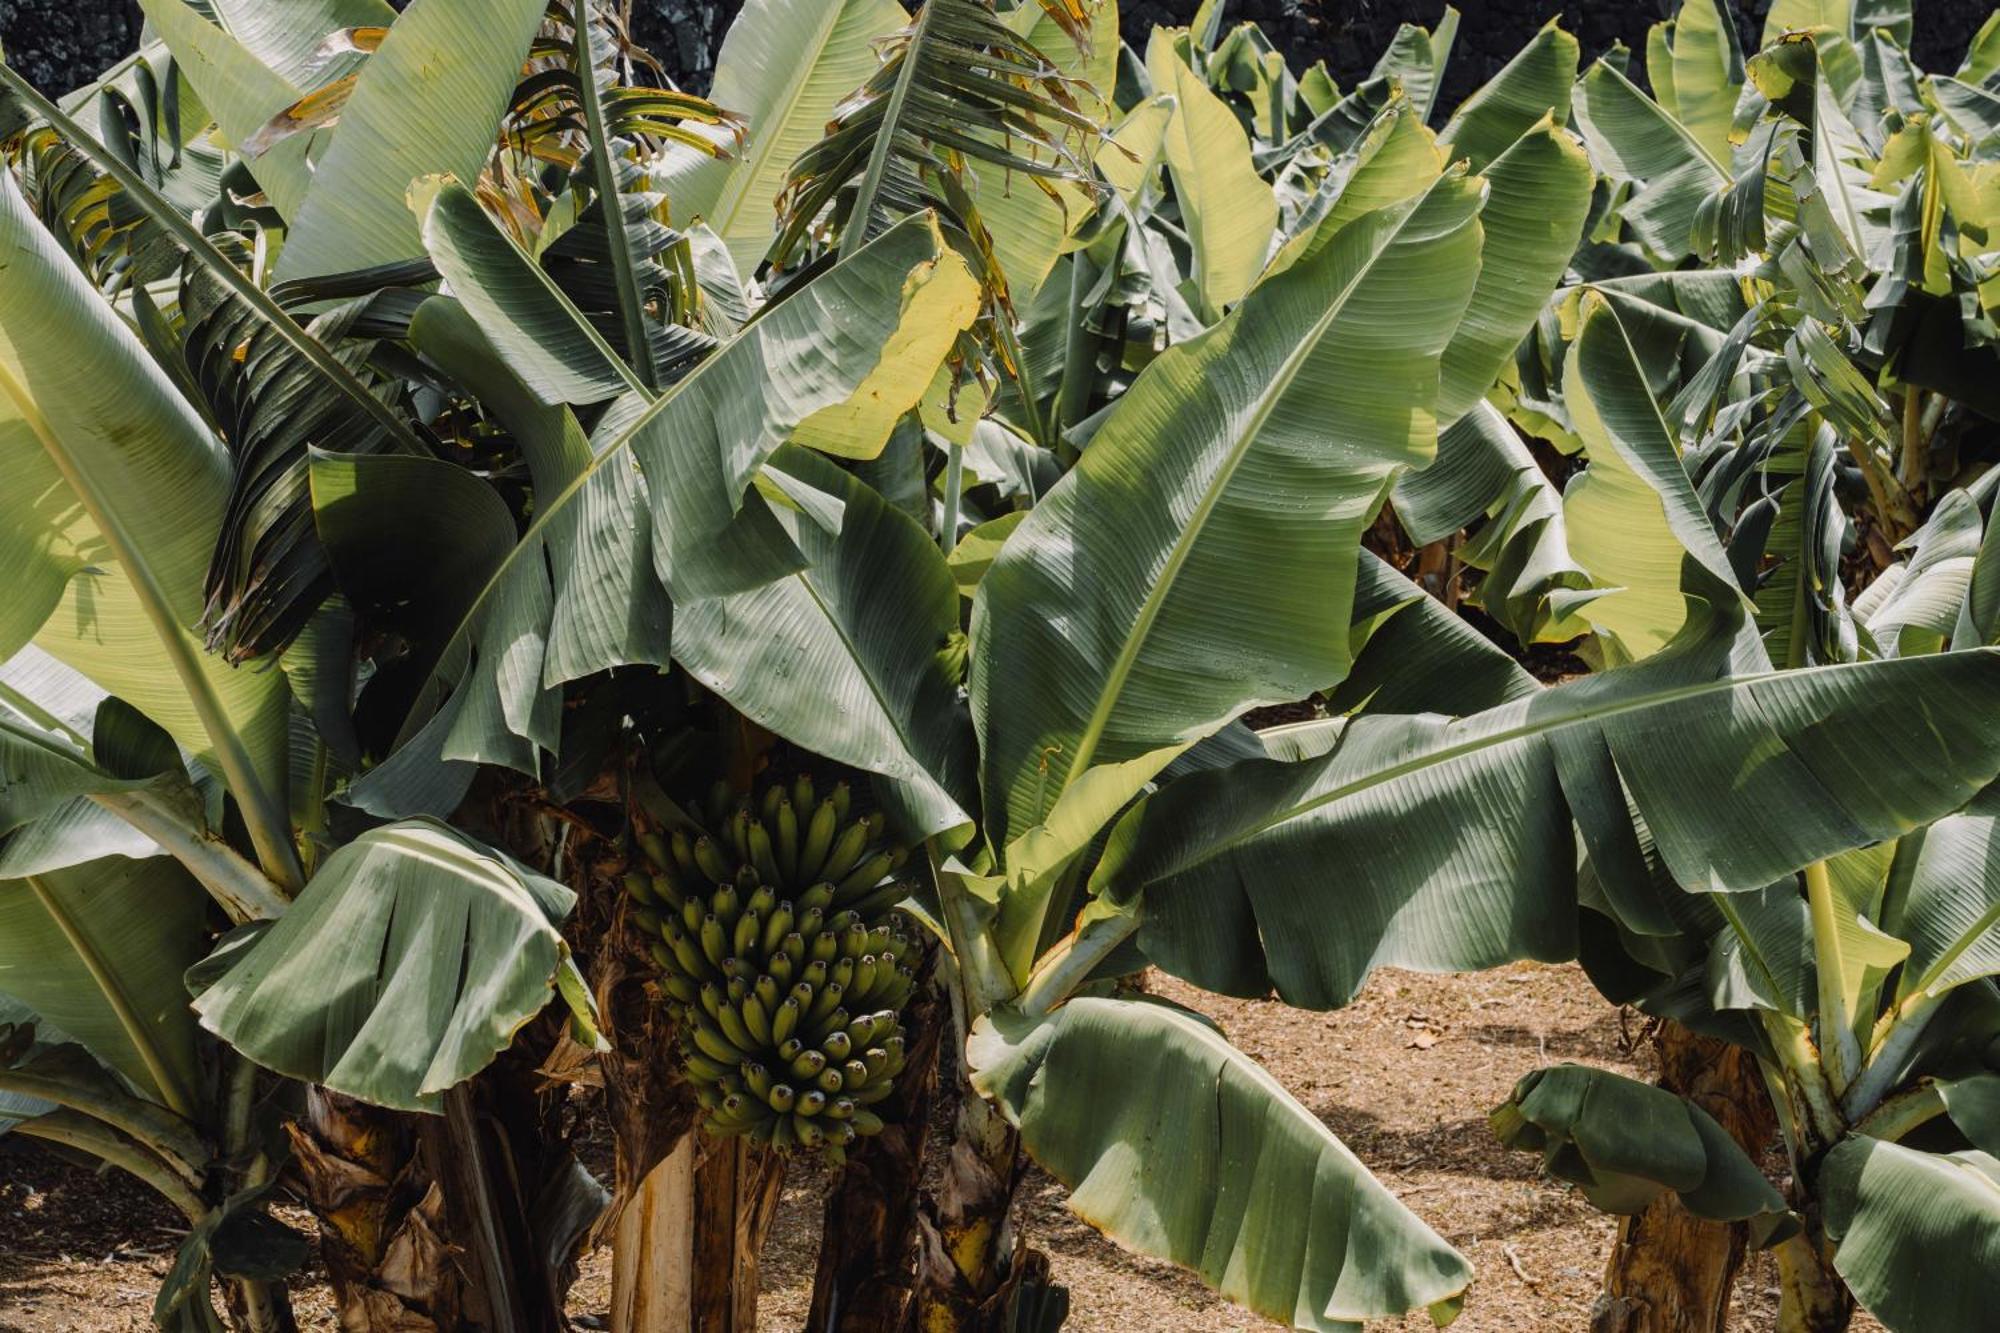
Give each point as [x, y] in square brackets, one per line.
[770, 938]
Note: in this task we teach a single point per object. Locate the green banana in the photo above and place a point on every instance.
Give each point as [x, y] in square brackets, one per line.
[818, 840]
[788, 840]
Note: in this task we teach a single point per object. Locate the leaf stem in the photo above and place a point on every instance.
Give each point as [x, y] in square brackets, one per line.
[1902, 1113]
[1071, 962]
[1840, 1051]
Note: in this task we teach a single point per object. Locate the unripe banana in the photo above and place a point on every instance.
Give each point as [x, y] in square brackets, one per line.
[641, 888]
[689, 957]
[824, 1004]
[692, 911]
[840, 1108]
[843, 972]
[829, 1080]
[865, 973]
[781, 968]
[811, 1102]
[763, 899]
[705, 1069]
[757, 1079]
[809, 1132]
[845, 852]
[655, 848]
[709, 857]
[762, 854]
[726, 903]
[738, 830]
[646, 919]
[674, 982]
[871, 1093]
[683, 853]
[710, 997]
[788, 1050]
[837, 1045]
[777, 926]
[749, 930]
[810, 922]
[713, 946]
[710, 1042]
[772, 795]
[802, 791]
[808, 1064]
[783, 1136]
[785, 1019]
[730, 1020]
[787, 825]
[755, 1018]
[855, 1073]
[843, 796]
[816, 976]
[662, 955]
[866, 1121]
[782, 1097]
[668, 891]
[736, 987]
[767, 993]
[881, 900]
[816, 899]
[818, 840]
[866, 875]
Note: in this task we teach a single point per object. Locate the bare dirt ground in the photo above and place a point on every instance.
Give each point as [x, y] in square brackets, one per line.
[1405, 1076]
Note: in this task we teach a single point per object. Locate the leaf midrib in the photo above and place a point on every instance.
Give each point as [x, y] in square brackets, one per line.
[1586, 715]
[1288, 372]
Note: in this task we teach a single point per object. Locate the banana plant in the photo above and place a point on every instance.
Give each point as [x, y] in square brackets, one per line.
[185, 795]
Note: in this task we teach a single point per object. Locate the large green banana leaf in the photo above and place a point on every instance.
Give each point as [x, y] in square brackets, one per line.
[1451, 845]
[1178, 1145]
[1950, 906]
[545, 339]
[1624, 1143]
[241, 92]
[1633, 516]
[1534, 84]
[1533, 585]
[1228, 211]
[1198, 560]
[1696, 69]
[833, 661]
[784, 66]
[1633, 138]
[407, 964]
[98, 950]
[1538, 191]
[118, 490]
[290, 37]
[586, 587]
[428, 102]
[1916, 1235]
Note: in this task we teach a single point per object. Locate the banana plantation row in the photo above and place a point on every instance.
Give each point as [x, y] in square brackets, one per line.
[533, 593]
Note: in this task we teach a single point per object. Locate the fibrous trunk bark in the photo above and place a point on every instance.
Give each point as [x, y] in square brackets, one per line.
[1811, 1296]
[383, 1228]
[1670, 1271]
[866, 1280]
[684, 1256]
[975, 1274]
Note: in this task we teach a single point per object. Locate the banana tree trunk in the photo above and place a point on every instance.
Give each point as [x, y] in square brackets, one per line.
[1811, 1296]
[1670, 1271]
[975, 1274]
[684, 1257]
[865, 1282]
[383, 1227]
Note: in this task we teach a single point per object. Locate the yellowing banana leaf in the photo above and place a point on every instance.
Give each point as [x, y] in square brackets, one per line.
[1228, 211]
[407, 964]
[427, 103]
[1179, 1146]
[1633, 515]
[241, 92]
[1125, 615]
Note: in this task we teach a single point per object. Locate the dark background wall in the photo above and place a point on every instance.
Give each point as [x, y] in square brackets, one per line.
[60, 43]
